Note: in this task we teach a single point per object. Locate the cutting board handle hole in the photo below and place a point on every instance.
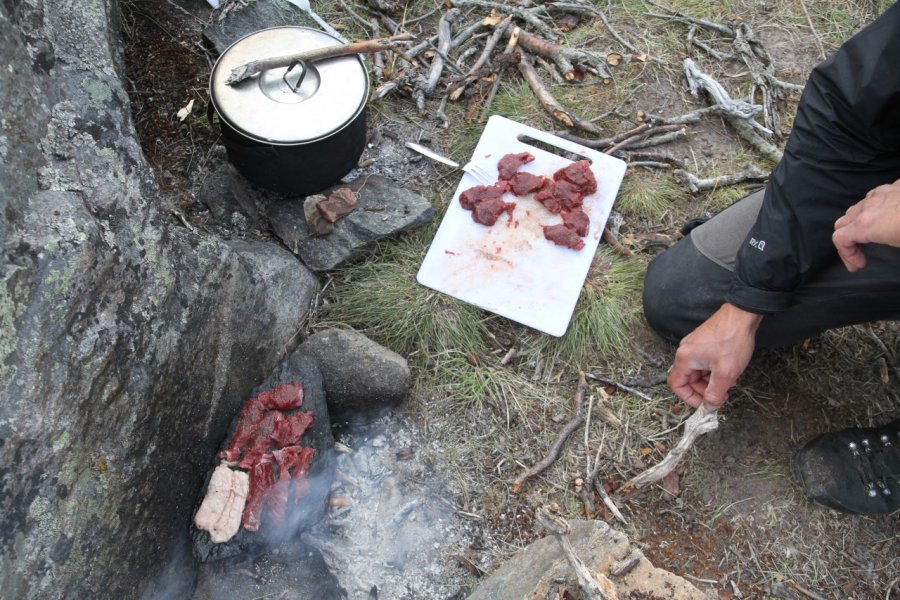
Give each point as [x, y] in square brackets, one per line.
[568, 155]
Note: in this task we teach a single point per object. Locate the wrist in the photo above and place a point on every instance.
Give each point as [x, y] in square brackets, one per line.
[740, 318]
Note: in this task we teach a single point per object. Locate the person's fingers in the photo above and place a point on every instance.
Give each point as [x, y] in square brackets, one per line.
[849, 251]
[683, 381]
[720, 381]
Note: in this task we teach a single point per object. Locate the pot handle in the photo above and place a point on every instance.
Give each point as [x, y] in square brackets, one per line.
[303, 70]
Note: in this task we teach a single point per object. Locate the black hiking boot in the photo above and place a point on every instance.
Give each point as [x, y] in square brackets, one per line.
[854, 471]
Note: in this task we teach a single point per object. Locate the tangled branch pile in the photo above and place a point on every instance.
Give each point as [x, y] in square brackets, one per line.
[478, 43]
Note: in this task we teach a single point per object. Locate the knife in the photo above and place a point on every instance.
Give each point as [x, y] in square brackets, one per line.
[424, 150]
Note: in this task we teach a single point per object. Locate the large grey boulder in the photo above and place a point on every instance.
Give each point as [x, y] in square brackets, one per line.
[127, 343]
[360, 375]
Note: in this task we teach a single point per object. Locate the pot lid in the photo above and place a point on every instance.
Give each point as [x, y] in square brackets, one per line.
[272, 107]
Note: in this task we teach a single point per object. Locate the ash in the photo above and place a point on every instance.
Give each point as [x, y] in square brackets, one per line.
[391, 532]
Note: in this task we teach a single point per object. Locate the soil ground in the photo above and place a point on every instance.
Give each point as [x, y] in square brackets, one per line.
[732, 521]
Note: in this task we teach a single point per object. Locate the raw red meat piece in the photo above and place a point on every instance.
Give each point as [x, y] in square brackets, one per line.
[576, 220]
[262, 439]
[488, 211]
[525, 183]
[251, 415]
[545, 197]
[579, 174]
[567, 194]
[283, 396]
[293, 461]
[289, 429]
[510, 163]
[262, 477]
[276, 501]
[472, 196]
[563, 236]
[339, 204]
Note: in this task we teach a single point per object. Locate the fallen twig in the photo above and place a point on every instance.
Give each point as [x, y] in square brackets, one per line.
[696, 184]
[548, 101]
[569, 428]
[594, 586]
[812, 27]
[692, 39]
[610, 238]
[702, 421]
[739, 113]
[248, 70]
[565, 58]
[445, 34]
[607, 501]
[526, 15]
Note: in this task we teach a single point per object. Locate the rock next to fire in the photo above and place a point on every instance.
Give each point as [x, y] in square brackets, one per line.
[360, 375]
[384, 210]
[281, 440]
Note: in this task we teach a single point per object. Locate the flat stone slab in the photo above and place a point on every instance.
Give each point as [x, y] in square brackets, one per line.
[384, 210]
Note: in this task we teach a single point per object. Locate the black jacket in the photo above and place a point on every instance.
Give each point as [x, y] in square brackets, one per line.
[845, 141]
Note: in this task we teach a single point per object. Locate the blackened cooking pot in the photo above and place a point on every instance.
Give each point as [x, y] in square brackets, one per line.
[295, 130]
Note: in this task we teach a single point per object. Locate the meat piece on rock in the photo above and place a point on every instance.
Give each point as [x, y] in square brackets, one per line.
[580, 175]
[510, 163]
[262, 439]
[526, 183]
[577, 220]
[262, 477]
[222, 507]
[472, 196]
[563, 236]
[339, 204]
[290, 428]
[251, 415]
[488, 211]
[283, 396]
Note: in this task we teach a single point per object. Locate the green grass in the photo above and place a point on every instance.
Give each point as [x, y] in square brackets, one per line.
[648, 195]
[603, 316]
[382, 299]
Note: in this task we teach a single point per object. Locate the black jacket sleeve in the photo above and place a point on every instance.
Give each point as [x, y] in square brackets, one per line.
[845, 141]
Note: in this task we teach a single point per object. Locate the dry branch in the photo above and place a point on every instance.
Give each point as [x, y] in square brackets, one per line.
[248, 70]
[696, 184]
[445, 35]
[739, 113]
[702, 421]
[566, 58]
[529, 16]
[548, 101]
[593, 586]
[570, 427]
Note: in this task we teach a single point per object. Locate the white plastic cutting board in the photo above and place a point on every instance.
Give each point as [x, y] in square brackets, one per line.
[510, 268]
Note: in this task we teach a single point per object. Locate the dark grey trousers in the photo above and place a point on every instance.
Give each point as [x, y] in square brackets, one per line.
[688, 282]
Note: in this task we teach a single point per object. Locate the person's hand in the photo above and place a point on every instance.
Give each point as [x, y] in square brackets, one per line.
[710, 359]
[875, 218]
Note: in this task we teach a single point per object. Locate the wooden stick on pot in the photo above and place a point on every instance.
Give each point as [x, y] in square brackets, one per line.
[248, 70]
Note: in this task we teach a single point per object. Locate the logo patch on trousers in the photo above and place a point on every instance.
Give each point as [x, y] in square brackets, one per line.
[758, 244]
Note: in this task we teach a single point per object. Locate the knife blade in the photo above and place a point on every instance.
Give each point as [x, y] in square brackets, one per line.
[426, 151]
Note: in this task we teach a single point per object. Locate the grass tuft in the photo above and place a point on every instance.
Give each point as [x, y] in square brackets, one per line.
[606, 310]
[648, 196]
[382, 299]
